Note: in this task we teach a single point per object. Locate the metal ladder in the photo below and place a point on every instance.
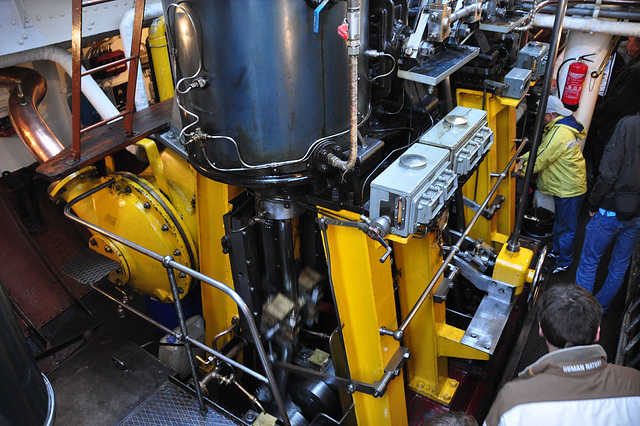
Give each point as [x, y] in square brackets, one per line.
[628, 352]
[77, 73]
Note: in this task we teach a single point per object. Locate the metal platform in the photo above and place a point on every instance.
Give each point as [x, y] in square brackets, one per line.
[172, 405]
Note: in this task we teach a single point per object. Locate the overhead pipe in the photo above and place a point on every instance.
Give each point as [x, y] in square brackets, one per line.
[591, 25]
[29, 88]
[151, 11]
[353, 49]
[513, 245]
[90, 89]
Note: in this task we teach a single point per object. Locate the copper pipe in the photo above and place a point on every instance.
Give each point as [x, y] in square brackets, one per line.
[29, 88]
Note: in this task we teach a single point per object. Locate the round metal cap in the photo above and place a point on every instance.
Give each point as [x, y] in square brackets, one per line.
[455, 120]
[413, 161]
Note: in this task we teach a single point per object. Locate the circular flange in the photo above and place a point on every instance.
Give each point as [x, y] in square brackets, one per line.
[455, 120]
[413, 161]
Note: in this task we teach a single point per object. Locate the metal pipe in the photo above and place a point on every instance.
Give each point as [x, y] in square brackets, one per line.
[233, 326]
[513, 245]
[462, 12]
[185, 332]
[29, 90]
[253, 329]
[353, 49]
[399, 333]
[627, 29]
[333, 160]
[90, 89]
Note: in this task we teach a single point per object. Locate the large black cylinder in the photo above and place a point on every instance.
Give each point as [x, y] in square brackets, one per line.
[24, 399]
[273, 86]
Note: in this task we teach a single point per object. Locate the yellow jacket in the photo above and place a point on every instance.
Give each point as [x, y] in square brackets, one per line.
[560, 164]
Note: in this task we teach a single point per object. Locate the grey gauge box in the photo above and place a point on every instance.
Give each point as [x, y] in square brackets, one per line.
[516, 83]
[465, 134]
[533, 57]
[414, 188]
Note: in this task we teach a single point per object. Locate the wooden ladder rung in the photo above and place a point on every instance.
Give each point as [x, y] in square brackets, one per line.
[75, 152]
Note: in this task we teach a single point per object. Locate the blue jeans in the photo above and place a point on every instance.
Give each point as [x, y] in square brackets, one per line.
[601, 230]
[564, 228]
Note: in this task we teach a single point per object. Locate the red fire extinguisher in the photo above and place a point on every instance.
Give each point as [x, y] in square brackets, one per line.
[573, 86]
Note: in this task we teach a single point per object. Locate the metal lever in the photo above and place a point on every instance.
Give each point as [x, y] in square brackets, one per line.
[376, 229]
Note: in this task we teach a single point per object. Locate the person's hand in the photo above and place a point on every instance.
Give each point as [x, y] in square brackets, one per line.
[592, 214]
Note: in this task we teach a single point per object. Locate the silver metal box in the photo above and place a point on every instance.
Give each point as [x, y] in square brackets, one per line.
[516, 83]
[414, 188]
[465, 134]
[533, 57]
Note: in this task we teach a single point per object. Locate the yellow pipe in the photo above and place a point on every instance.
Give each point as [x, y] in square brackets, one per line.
[160, 57]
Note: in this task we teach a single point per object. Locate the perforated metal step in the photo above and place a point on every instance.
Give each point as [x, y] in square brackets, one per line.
[89, 267]
[171, 405]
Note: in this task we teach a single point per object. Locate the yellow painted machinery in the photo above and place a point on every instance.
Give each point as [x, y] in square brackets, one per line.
[346, 202]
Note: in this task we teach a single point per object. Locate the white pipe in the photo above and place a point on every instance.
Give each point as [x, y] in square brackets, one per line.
[578, 44]
[151, 10]
[90, 88]
[590, 25]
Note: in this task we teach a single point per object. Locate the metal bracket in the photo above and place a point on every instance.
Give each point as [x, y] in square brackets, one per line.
[488, 212]
[446, 284]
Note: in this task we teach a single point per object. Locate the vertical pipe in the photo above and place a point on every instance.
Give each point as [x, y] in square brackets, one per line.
[513, 245]
[183, 329]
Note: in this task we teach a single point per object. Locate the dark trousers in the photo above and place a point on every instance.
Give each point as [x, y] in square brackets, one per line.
[564, 228]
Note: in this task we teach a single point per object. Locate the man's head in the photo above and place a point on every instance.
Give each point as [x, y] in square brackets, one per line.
[569, 316]
[555, 107]
[633, 48]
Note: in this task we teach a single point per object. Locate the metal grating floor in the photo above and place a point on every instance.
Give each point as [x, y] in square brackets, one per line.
[535, 348]
[171, 405]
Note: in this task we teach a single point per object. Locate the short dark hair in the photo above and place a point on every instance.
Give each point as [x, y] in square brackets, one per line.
[452, 418]
[569, 316]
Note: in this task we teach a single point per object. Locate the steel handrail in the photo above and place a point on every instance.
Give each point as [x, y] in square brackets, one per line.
[169, 263]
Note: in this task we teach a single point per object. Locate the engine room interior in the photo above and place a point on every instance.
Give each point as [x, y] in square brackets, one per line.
[285, 212]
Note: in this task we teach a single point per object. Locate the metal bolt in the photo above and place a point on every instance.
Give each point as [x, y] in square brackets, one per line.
[180, 290]
[164, 227]
[118, 281]
[127, 190]
[487, 346]
[146, 205]
[177, 253]
[93, 242]
[182, 275]
[107, 249]
[118, 188]
[474, 335]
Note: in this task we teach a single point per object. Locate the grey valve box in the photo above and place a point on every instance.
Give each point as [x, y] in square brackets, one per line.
[534, 57]
[465, 134]
[414, 188]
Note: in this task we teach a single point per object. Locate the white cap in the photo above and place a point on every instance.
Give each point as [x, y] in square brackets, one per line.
[555, 105]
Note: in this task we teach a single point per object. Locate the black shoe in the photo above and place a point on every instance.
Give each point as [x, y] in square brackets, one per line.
[556, 269]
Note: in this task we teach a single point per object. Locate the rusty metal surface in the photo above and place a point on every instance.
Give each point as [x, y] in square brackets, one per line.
[108, 139]
[31, 261]
[26, 277]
